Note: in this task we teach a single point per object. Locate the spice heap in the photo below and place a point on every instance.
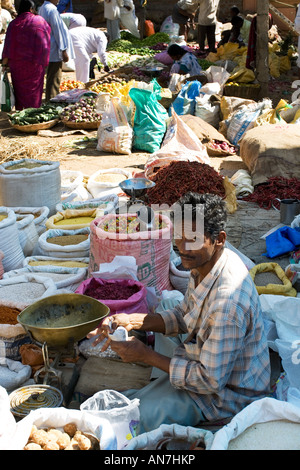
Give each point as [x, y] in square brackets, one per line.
[275, 187]
[8, 315]
[180, 177]
[111, 291]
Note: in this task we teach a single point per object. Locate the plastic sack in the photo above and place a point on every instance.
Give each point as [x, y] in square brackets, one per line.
[259, 411]
[83, 216]
[9, 241]
[244, 119]
[27, 231]
[44, 247]
[40, 215]
[185, 102]
[217, 74]
[13, 374]
[100, 188]
[289, 353]
[281, 289]
[172, 437]
[1, 264]
[151, 249]
[169, 27]
[12, 337]
[43, 179]
[135, 303]
[283, 240]
[149, 124]
[207, 111]
[58, 418]
[114, 133]
[149, 28]
[106, 203]
[179, 143]
[7, 94]
[122, 413]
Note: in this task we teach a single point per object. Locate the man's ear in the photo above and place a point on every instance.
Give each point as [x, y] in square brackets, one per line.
[220, 241]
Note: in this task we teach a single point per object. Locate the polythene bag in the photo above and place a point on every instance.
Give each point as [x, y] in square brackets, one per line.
[135, 303]
[283, 240]
[149, 125]
[122, 413]
[185, 102]
[7, 94]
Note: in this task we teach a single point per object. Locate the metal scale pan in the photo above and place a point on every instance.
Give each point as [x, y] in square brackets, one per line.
[58, 321]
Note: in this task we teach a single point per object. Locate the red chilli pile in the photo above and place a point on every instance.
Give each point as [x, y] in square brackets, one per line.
[275, 187]
[180, 177]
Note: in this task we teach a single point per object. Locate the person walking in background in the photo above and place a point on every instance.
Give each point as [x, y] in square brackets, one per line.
[87, 41]
[184, 13]
[65, 6]
[207, 20]
[140, 11]
[128, 19]
[26, 52]
[112, 14]
[61, 47]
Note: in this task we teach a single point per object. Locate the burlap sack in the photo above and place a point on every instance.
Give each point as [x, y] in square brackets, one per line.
[271, 150]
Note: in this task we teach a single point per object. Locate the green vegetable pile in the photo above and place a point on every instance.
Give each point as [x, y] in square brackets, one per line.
[205, 64]
[135, 46]
[28, 116]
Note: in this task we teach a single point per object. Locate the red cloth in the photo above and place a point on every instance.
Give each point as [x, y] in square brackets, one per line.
[27, 47]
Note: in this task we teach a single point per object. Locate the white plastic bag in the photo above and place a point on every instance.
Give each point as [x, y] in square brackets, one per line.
[114, 133]
[13, 374]
[122, 413]
[101, 188]
[28, 235]
[207, 111]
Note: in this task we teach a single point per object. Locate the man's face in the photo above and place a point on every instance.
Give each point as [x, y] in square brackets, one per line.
[195, 249]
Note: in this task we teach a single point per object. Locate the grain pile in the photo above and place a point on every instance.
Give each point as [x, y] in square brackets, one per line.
[271, 435]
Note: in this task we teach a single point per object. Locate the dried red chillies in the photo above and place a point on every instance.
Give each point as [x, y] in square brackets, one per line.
[111, 291]
[180, 177]
[276, 187]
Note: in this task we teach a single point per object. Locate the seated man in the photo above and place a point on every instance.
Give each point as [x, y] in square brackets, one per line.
[223, 363]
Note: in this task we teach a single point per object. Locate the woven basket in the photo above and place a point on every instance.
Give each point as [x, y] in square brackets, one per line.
[35, 127]
[242, 91]
[82, 125]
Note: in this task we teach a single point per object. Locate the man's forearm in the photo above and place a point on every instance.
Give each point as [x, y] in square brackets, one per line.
[147, 322]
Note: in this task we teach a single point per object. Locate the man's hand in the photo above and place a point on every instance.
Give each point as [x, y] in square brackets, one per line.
[132, 350]
[65, 56]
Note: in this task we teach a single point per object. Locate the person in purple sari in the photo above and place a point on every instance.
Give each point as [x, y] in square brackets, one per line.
[26, 52]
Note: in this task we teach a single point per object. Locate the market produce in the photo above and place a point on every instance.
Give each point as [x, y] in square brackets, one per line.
[127, 224]
[111, 291]
[82, 111]
[45, 113]
[70, 84]
[68, 438]
[275, 187]
[222, 145]
[180, 177]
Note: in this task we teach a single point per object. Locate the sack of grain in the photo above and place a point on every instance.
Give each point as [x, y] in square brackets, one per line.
[9, 240]
[151, 249]
[63, 277]
[72, 219]
[70, 180]
[107, 180]
[64, 243]
[12, 333]
[29, 288]
[28, 235]
[40, 215]
[30, 181]
[266, 424]
[55, 261]
[1, 264]
[107, 204]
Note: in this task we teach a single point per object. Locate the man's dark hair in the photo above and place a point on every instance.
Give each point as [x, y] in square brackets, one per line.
[235, 10]
[215, 213]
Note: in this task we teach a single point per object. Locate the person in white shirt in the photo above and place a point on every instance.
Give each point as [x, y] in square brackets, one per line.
[184, 12]
[73, 20]
[86, 42]
[207, 20]
[112, 14]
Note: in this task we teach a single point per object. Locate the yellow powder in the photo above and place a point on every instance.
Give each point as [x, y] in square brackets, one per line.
[68, 264]
[75, 221]
[65, 240]
[3, 216]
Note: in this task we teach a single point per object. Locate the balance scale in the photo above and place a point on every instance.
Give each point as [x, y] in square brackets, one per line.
[56, 324]
[136, 188]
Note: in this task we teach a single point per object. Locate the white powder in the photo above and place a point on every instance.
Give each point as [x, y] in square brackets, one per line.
[272, 435]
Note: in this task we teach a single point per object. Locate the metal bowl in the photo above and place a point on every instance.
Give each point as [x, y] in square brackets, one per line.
[136, 187]
[62, 318]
